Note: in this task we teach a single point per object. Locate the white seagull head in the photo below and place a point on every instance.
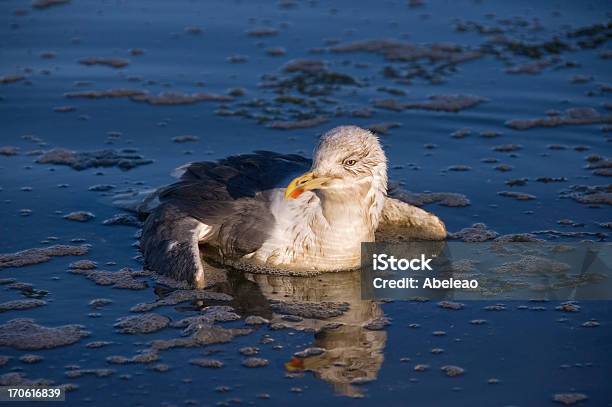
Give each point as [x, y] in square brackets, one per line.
[348, 163]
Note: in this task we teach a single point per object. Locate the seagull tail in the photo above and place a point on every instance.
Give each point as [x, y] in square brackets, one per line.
[169, 244]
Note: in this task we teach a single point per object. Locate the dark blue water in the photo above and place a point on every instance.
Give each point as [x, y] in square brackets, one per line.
[523, 349]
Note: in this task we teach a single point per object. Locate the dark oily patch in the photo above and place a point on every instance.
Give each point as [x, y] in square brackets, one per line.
[64, 109]
[143, 358]
[569, 222]
[532, 265]
[587, 194]
[531, 68]
[4, 281]
[503, 168]
[458, 267]
[255, 362]
[9, 151]
[402, 51]
[495, 307]
[80, 216]
[110, 62]
[276, 51]
[25, 334]
[101, 187]
[603, 172]
[11, 78]
[446, 103]
[478, 232]
[461, 133]
[237, 59]
[160, 367]
[514, 37]
[236, 92]
[309, 78]
[42, 4]
[17, 305]
[451, 305]
[297, 96]
[391, 91]
[185, 138]
[125, 278]
[596, 198]
[305, 65]
[569, 399]
[100, 302]
[316, 310]
[206, 362]
[569, 306]
[363, 112]
[573, 116]
[76, 373]
[122, 219]
[211, 314]
[106, 94]
[19, 379]
[452, 370]
[84, 160]
[193, 30]
[519, 196]
[450, 199]
[262, 32]
[26, 289]
[40, 255]
[83, 265]
[556, 233]
[18, 285]
[518, 238]
[178, 296]
[601, 166]
[517, 182]
[178, 98]
[142, 323]
[507, 148]
[459, 168]
[249, 351]
[97, 344]
[31, 359]
[297, 124]
[206, 335]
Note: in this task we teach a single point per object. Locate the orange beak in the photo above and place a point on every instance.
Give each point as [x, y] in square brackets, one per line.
[304, 183]
[295, 364]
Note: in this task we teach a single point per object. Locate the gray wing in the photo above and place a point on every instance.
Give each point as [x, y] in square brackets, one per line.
[218, 201]
[400, 218]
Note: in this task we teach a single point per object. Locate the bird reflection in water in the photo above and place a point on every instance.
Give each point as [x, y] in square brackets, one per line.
[347, 328]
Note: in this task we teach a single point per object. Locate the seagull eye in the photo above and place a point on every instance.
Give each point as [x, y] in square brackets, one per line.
[350, 162]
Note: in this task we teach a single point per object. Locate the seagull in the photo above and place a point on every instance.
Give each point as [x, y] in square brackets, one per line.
[235, 212]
